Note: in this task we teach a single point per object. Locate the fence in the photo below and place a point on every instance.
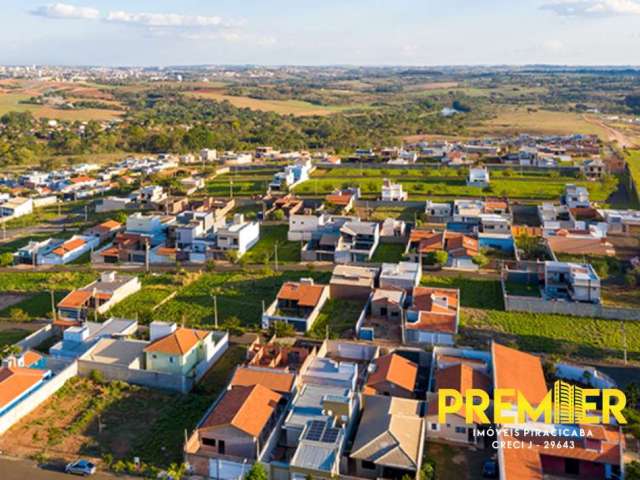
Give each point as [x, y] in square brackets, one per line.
[32, 401]
[36, 338]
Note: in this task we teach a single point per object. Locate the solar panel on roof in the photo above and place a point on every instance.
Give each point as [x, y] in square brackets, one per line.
[315, 430]
[330, 435]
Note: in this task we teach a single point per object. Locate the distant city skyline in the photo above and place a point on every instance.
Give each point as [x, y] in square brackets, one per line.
[333, 32]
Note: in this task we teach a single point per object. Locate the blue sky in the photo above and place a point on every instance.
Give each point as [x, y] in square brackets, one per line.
[321, 32]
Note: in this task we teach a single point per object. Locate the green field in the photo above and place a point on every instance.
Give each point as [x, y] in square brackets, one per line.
[239, 295]
[155, 288]
[264, 251]
[13, 335]
[388, 252]
[633, 162]
[446, 182]
[246, 183]
[43, 282]
[337, 319]
[484, 318]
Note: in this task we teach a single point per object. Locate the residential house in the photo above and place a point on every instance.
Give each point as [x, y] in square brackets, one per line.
[393, 229]
[478, 177]
[149, 196]
[153, 227]
[348, 241]
[621, 222]
[461, 248]
[382, 316]
[571, 281]
[67, 251]
[114, 204]
[575, 197]
[392, 375]
[98, 296]
[303, 224]
[79, 338]
[400, 276]
[393, 192]
[594, 168]
[238, 235]
[437, 212]
[580, 245]
[208, 154]
[298, 304]
[20, 377]
[342, 201]
[275, 379]
[389, 442]
[235, 432]
[29, 254]
[352, 282]
[105, 231]
[433, 316]
[16, 207]
[175, 349]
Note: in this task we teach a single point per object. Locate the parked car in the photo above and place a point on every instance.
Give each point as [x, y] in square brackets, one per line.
[490, 468]
[80, 467]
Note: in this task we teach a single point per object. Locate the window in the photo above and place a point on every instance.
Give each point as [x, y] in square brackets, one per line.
[210, 442]
[170, 359]
[154, 356]
[221, 447]
[435, 427]
[367, 465]
[461, 430]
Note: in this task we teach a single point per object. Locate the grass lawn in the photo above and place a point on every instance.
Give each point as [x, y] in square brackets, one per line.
[264, 251]
[379, 214]
[12, 335]
[339, 316]
[220, 374]
[633, 162]
[447, 182]
[240, 294]
[36, 306]
[388, 252]
[522, 289]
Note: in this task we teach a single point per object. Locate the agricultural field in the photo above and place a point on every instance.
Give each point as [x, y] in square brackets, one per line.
[140, 305]
[537, 121]
[483, 318]
[297, 108]
[243, 183]
[445, 182]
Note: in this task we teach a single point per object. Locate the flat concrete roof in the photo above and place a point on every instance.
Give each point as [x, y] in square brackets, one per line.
[116, 351]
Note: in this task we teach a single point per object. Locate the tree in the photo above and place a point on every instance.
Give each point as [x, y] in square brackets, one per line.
[439, 257]
[481, 260]
[232, 255]
[632, 471]
[233, 325]
[6, 259]
[281, 329]
[278, 215]
[257, 472]
[18, 315]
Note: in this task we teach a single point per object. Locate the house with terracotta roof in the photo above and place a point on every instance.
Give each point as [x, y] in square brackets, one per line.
[66, 251]
[381, 317]
[433, 316]
[279, 381]
[106, 230]
[235, 432]
[177, 350]
[460, 247]
[98, 296]
[298, 304]
[389, 442]
[392, 375]
[342, 201]
[20, 376]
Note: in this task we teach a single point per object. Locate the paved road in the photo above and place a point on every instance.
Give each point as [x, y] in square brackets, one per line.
[26, 470]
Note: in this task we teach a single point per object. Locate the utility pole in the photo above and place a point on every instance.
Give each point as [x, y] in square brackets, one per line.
[146, 256]
[53, 306]
[86, 213]
[230, 188]
[215, 311]
[276, 255]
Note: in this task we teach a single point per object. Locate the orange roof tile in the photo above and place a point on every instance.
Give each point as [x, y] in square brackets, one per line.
[306, 295]
[394, 369]
[30, 357]
[278, 381]
[179, 342]
[339, 199]
[521, 463]
[69, 246]
[581, 246]
[81, 179]
[520, 371]
[110, 225]
[246, 408]
[15, 381]
[75, 299]
[462, 377]
[433, 316]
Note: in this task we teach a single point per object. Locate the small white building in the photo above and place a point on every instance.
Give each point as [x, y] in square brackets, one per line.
[393, 192]
[302, 225]
[16, 207]
[113, 204]
[208, 154]
[478, 177]
[402, 275]
[576, 197]
[68, 250]
[239, 235]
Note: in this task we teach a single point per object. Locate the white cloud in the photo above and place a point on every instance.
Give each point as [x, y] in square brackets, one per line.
[160, 20]
[593, 8]
[553, 45]
[63, 10]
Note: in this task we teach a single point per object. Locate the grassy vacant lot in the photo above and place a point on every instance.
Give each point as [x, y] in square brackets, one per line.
[246, 183]
[155, 288]
[453, 463]
[35, 306]
[239, 294]
[90, 419]
[379, 214]
[264, 250]
[509, 120]
[483, 318]
[41, 281]
[12, 335]
[633, 162]
[447, 182]
[337, 318]
[388, 252]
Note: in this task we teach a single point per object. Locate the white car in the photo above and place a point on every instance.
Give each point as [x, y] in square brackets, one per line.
[81, 467]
